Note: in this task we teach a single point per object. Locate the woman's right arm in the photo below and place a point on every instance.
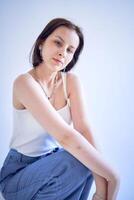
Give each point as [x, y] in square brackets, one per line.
[32, 97]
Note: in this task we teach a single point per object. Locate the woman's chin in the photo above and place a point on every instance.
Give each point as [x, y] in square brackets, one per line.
[56, 67]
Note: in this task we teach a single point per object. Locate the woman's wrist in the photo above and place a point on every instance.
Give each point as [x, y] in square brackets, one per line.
[101, 184]
[97, 196]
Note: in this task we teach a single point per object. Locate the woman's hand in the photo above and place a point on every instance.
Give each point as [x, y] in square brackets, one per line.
[101, 186]
[106, 190]
[113, 188]
[98, 197]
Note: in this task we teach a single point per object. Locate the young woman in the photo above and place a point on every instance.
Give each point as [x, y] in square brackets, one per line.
[48, 158]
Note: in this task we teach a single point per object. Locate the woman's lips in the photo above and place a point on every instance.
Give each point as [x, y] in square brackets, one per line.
[58, 61]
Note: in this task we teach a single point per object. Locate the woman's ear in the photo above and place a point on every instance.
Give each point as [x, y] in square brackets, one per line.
[40, 47]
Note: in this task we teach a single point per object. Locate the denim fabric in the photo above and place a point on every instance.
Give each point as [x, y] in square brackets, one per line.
[57, 175]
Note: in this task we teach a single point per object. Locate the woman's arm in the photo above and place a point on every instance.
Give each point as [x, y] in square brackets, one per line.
[78, 146]
[104, 189]
[80, 123]
[100, 182]
[32, 97]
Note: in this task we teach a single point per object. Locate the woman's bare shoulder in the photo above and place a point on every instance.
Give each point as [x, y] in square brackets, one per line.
[20, 81]
[71, 74]
[24, 78]
[72, 79]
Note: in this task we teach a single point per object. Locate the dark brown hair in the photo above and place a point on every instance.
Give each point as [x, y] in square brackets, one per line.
[50, 27]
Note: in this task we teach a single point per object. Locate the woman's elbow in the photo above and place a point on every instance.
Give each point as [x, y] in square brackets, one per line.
[115, 178]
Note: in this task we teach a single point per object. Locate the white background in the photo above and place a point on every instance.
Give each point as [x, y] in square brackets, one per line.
[105, 69]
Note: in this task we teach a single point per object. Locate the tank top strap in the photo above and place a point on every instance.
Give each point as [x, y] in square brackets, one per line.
[64, 78]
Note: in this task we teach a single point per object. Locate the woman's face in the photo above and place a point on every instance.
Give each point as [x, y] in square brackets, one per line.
[58, 49]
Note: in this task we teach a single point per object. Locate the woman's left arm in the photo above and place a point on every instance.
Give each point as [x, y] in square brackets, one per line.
[80, 123]
[100, 182]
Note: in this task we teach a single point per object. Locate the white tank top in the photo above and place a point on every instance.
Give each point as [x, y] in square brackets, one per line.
[29, 137]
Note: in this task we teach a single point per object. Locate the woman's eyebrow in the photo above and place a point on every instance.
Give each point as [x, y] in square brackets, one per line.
[63, 40]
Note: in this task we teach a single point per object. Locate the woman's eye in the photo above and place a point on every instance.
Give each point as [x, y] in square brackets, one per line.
[70, 51]
[58, 43]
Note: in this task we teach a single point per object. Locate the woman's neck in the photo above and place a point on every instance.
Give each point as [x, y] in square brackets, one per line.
[45, 76]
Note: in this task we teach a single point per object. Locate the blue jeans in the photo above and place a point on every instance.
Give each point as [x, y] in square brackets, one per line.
[57, 175]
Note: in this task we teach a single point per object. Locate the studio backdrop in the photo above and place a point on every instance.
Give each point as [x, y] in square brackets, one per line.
[105, 69]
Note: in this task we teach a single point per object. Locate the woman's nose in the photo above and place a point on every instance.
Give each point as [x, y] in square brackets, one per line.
[62, 53]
